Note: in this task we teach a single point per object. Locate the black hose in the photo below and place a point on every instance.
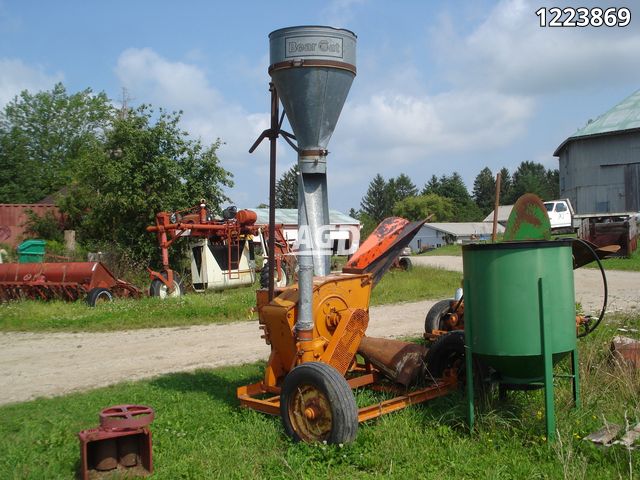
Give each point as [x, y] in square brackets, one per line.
[588, 330]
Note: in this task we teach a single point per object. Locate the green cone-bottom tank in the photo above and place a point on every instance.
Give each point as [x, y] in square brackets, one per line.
[510, 288]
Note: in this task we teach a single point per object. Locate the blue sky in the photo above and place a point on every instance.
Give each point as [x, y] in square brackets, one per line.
[442, 86]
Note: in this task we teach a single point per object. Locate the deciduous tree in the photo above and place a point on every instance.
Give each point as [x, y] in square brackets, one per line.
[41, 137]
[146, 164]
[420, 207]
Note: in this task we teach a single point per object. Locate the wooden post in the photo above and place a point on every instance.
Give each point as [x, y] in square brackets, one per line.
[495, 209]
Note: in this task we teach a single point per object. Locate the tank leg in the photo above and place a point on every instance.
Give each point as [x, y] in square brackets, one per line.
[547, 354]
[576, 379]
[468, 356]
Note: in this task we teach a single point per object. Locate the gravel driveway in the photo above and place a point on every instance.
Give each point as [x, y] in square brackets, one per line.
[47, 364]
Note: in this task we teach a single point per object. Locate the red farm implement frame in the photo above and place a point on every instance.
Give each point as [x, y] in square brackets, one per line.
[66, 281]
[226, 238]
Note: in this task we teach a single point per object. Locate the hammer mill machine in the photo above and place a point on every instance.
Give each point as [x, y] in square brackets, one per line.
[316, 328]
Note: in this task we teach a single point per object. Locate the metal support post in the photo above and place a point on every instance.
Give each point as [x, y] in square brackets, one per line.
[547, 355]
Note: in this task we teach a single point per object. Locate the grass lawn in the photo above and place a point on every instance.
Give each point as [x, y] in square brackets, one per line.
[454, 250]
[194, 309]
[631, 264]
[201, 432]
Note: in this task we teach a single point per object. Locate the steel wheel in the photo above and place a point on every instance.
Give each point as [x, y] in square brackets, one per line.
[317, 405]
[159, 289]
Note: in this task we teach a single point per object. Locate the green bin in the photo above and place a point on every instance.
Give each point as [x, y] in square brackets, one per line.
[519, 314]
[31, 251]
[504, 304]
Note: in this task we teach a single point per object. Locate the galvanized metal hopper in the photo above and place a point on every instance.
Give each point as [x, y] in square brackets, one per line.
[312, 68]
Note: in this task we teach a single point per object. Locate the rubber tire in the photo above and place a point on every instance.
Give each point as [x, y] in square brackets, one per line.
[405, 264]
[342, 402]
[435, 314]
[445, 352]
[99, 294]
[448, 351]
[159, 289]
[264, 277]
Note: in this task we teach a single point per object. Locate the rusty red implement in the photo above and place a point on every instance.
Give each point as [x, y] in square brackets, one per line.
[66, 281]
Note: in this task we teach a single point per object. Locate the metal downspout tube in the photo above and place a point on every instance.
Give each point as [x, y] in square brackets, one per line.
[313, 215]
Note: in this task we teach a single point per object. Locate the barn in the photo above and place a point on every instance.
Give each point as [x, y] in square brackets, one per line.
[600, 163]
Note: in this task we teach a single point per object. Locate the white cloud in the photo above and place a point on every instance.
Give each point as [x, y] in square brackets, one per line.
[510, 52]
[151, 78]
[451, 122]
[16, 76]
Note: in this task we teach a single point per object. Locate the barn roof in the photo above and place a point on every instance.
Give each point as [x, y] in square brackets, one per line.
[503, 213]
[464, 228]
[624, 116]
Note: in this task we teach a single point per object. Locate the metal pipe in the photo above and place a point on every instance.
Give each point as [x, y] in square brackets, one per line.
[272, 185]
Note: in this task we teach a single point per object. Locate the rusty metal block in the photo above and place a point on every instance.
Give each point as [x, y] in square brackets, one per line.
[120, 446]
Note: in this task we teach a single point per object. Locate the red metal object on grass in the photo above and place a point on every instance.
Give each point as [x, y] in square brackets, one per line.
[120, 445]
[66, 280]
[126, 416]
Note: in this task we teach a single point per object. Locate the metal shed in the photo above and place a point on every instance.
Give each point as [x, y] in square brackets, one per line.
[600, 163]
[438, 234]
[503, 215]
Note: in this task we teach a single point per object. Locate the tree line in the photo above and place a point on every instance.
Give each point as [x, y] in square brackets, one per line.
[447, 199]
[110, 169]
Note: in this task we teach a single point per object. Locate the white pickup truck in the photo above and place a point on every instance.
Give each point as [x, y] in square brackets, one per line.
[560, 214]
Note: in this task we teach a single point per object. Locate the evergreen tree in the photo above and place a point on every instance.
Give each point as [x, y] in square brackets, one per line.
[506, 186]
[287, 189]
[375, 202]
[432, 186]
[484, 187]
[404, 187]
[453, 187]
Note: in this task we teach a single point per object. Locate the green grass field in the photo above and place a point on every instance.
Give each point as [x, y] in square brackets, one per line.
[196, 309]
[201, 432]
[631, 264]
